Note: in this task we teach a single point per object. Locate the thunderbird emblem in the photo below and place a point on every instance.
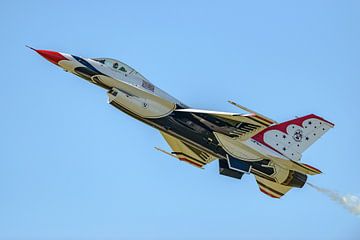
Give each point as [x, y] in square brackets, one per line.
[298, 135]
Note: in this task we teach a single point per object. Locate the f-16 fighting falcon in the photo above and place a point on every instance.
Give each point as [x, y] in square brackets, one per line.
[242, 143]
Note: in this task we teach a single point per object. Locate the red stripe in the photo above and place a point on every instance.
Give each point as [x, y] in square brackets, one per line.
[267, 193]
[189, 161]
[264, 119]
[312, 167]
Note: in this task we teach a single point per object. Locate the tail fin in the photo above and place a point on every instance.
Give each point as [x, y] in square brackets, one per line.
[293, 137]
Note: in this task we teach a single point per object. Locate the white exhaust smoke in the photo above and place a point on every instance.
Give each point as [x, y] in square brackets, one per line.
[349, 201]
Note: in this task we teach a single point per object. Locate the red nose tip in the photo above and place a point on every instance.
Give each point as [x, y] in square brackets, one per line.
[52, 56]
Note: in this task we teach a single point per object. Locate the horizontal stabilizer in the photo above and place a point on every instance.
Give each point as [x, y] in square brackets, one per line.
[304, 168]
[272, 189]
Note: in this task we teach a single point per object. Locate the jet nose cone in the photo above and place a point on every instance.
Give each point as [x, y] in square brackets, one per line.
[51, 56]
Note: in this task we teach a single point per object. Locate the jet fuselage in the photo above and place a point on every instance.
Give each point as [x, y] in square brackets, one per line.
[243, 143]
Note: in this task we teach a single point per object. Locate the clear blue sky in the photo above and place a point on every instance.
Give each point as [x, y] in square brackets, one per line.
[73, 167]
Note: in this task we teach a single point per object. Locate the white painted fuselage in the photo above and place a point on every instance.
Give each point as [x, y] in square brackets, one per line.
[243, 143]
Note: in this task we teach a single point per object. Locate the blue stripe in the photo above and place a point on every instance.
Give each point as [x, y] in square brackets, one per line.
[86, 64]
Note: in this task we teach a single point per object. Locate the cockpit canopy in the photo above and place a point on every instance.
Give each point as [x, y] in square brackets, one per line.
[119, 66]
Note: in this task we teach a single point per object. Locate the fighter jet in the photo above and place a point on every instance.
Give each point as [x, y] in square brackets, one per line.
[247, 143]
